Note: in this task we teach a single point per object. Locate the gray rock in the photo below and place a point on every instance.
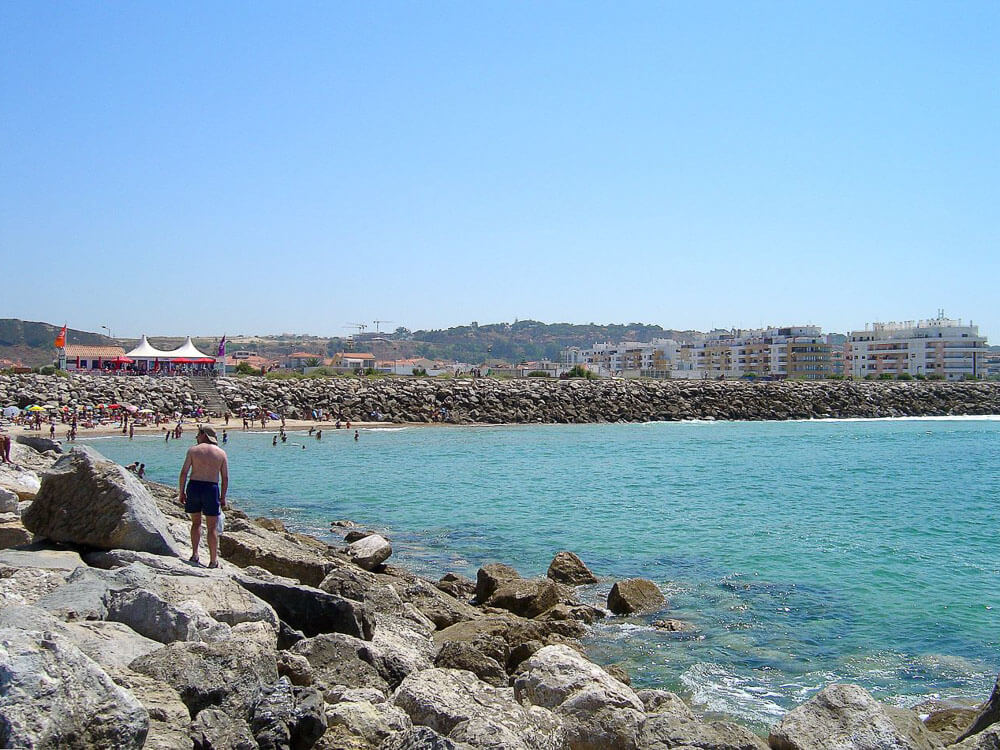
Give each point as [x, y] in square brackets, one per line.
[421, 738]
[288, 717]
[39, 443]
[168, 716]
[635, 595]
[338, 659]
[568, 568]
[401, 648]
[842, 716]
[371, 722]
[453, 700]
[213, 729]
[53, 695]
[247, 544]
[22, 482]
[525, 597]
[110, 644]
[597, 710]
[311, 610]
[44, 559]
[229, 675]
[459, 655]
[19, 586]
[9, 501]
[13, 533]
[490, 577]
[457, 586]
[86, 499]
[370, 552]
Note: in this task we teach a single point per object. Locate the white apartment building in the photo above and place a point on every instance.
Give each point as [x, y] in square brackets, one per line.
[940, 346]
[626, 359]
[778, 352]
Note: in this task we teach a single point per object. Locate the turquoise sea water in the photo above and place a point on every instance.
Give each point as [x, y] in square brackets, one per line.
[804, 552]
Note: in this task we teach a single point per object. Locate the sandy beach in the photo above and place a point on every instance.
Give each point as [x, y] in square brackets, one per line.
[190, 425]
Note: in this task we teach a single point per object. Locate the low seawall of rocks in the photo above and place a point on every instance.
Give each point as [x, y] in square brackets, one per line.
[109, 637]
[485, 400]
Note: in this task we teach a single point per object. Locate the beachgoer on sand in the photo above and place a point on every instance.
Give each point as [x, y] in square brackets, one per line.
[5, 448]
[207, 463]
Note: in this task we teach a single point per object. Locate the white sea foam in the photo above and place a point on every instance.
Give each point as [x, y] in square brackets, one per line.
[717, 690]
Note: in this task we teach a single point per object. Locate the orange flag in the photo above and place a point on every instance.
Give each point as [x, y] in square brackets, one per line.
[61, 338]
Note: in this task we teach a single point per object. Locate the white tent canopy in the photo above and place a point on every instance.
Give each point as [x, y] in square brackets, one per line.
[187, 350]
[145, 350]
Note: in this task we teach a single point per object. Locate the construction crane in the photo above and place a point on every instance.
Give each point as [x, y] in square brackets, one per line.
[359, 326]
[379, 322]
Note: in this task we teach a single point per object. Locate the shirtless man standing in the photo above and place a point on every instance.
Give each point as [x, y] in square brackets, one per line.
[206, 462]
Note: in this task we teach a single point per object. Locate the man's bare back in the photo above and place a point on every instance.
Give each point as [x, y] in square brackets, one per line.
[206, 462]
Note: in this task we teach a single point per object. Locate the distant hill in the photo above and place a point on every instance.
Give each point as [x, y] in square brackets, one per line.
[528, 339]
[31, 343]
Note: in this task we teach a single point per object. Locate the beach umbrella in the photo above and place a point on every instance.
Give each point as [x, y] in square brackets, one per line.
[114, 406]
[35, 408]
[10, 411]
[130, 409]
[146, 411]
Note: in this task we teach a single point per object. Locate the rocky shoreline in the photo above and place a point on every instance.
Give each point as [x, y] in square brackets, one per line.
[108, 638]
[485, 400]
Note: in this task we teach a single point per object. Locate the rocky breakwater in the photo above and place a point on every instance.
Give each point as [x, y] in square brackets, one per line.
[162, 394]
[297, 644]
[543, 400]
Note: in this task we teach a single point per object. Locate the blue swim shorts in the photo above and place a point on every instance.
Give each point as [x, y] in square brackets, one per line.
[202, 497]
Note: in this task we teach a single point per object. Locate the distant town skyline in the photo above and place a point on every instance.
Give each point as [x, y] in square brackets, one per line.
[266, 168]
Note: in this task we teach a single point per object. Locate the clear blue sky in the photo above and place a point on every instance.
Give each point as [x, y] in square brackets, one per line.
[237, 167]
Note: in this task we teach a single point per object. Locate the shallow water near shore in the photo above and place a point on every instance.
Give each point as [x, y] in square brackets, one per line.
[803, 552]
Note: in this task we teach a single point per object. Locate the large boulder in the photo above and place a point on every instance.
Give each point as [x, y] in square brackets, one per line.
[370, 552]
[53, 695]
[86, 499]
[456, 704]
[842, 716]
[567, 568]
[635, 595]
[598, 711]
